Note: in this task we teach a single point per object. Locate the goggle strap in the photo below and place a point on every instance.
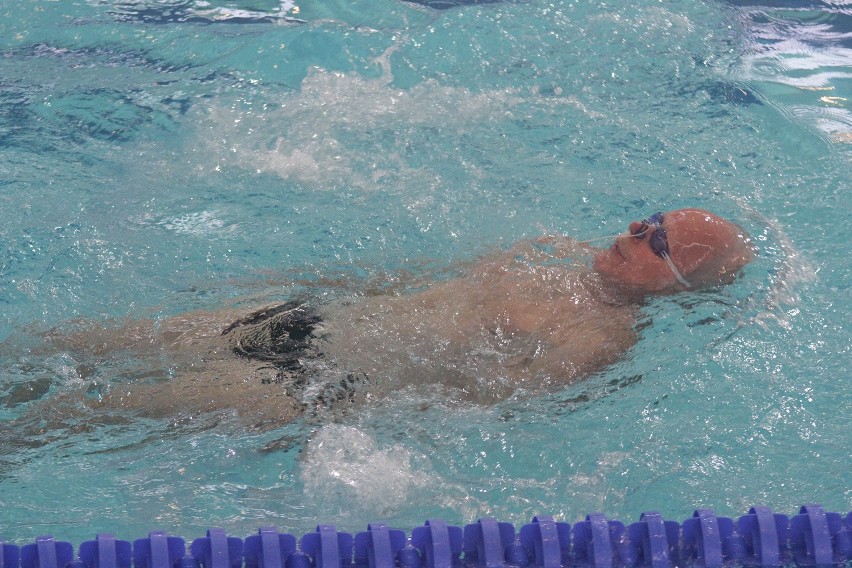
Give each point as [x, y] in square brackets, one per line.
[638, 234]
[674, 270]
[596, 239]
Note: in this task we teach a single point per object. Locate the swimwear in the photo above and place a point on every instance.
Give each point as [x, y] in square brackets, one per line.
[280, 335]
[286, 337]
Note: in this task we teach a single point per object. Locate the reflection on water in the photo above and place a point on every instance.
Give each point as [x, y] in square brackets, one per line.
[170, 166]
[800, 58]
[200, 11]
[447, 4]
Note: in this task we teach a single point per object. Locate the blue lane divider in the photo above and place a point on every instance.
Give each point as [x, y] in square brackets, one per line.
[548, 542]
[269, 549]
[487, 543]
[844, 539]
[652, 542]
[764, 537]
[9, 555]
[439, 544]
[596, 541]
[106, 552]
[46, 553]
[760, 538]
[217, 550]
[814, 536]
[706, 538]
[378, 547]
[329, 548]
[158, 551]
[409, 557]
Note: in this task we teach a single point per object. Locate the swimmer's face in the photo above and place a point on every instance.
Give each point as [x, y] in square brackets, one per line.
[702, 247]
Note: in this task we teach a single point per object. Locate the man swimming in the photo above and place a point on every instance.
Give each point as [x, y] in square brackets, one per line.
[542, 314]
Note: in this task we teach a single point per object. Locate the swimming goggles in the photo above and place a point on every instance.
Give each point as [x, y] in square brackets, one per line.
[659, 242]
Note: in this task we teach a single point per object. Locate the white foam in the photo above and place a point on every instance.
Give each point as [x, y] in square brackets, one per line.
[792, 270]
[334, 131]
[203, 9]
[200, 223]
[345, 464]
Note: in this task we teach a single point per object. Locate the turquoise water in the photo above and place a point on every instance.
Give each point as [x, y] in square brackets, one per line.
[160, 157]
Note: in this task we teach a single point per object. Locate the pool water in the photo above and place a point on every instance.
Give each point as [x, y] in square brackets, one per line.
[165, 156]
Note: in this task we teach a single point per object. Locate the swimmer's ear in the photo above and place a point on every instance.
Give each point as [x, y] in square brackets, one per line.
[727, 276]
[732, 269]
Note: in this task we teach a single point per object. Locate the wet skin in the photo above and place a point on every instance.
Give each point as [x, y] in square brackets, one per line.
[534, 317]
[705, 248]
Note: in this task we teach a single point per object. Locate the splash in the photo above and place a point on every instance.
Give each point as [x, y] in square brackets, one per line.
[345, 464]
[347, 130]
[792, 270]
[198, 224]
[317, 132]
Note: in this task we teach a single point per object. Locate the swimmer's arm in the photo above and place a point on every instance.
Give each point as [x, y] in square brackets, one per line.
[540, 250]
[575, 347]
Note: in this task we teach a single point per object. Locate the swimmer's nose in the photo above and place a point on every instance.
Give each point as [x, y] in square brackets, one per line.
[637, 227]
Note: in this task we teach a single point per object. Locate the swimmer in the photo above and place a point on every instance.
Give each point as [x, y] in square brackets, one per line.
[545, 313]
